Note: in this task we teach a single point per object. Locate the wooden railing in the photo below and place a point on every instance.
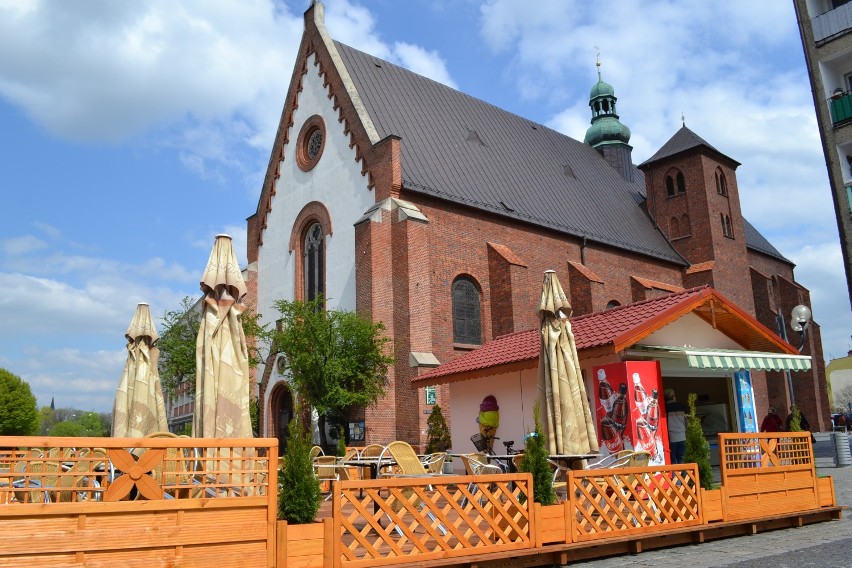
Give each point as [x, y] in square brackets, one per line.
[187, 501]
[632, 500]
[767, 474]
[389, 521]
[120, 501]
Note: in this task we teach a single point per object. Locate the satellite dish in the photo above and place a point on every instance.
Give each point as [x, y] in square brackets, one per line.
[800, 317]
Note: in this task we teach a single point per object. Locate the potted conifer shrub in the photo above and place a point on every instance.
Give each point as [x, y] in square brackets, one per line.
[438, 436]
[697, 447]
[536, 462]
[299, 499]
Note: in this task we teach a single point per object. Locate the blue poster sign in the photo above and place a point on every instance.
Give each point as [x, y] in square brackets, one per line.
[745, 401]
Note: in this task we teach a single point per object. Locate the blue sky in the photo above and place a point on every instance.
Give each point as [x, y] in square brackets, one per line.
[132, 133]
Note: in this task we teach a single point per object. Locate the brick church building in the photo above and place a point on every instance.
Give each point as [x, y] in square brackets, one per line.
[437, 213]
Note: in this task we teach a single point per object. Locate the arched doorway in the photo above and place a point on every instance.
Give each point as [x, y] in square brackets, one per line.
[281, 413]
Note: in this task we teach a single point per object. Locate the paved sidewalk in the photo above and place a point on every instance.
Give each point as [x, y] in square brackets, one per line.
[821, 545]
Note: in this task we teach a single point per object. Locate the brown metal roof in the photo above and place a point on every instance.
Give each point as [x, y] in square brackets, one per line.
[462, 149]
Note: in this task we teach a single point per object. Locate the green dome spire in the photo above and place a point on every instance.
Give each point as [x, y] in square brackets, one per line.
[605, 128]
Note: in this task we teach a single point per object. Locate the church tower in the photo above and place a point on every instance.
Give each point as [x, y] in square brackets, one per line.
[693, 197]
[606, 134]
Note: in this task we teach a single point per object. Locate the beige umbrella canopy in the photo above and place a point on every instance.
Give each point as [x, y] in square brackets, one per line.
[567, 417]
[221, 354]
[139, 409]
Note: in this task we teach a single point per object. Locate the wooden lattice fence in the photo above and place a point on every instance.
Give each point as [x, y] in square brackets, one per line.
[394, 521]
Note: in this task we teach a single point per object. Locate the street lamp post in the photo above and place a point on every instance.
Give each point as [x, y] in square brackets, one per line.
[800, 319]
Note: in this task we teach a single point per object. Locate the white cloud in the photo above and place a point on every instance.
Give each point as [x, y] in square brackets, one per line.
[426, 63]
[77, 379]
[22, 245]
[736, 72]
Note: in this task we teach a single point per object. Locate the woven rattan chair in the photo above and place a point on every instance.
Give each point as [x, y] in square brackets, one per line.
[475, 457]
[316, 451]
[434, 463]
[175, 472]
[407, 465]
[327, 470]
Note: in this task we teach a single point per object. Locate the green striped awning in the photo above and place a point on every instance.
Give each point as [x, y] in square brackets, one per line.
[733, 360]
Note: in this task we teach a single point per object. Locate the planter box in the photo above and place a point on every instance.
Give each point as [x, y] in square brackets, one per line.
[825, 491]
[551, 525]
[713, 505]
[303, 546]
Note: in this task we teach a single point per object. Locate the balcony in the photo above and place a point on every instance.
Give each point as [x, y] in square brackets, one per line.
[840, 105]
[832, 23]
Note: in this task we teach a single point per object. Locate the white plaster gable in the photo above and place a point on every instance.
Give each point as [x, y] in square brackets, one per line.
[336, 182]
[699, 332]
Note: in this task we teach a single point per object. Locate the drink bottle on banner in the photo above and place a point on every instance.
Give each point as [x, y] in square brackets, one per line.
[611, 436]
[652, 411]
[605, 392]
[619, 408]
[640, 397]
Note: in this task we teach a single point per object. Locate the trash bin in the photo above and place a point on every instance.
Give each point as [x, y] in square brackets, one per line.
[841, 448]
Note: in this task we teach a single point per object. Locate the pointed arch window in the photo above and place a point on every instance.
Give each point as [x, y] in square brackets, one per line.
[727, 229]
[313, 250]
[669, 187]
[681, 183]
[721, 183]
[674, 228]
[467, 318]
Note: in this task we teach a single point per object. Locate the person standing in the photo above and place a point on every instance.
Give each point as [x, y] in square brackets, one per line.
[772, 422]
[804, 425]
[676, 418]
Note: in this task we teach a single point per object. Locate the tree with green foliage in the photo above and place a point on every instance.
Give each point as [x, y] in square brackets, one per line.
[437, 432]
[18, 409]
[697, 447]
[47, 419]
[89, 424]
[536, 462]
[299, 495]
[177, 346]
[336, 359]
[341, 441]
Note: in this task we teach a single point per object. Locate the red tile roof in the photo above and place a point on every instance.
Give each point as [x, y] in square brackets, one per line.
[613, 330]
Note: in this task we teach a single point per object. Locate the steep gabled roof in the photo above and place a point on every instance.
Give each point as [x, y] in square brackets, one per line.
[683, 141]
[461, 149]
[612, 331]
[756, 241]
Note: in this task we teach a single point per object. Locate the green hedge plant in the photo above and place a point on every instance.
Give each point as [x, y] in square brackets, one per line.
[299, 495]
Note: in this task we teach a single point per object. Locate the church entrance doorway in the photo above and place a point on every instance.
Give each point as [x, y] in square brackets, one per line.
[281, 406]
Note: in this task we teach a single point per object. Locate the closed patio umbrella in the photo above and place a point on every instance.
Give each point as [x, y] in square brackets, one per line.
[221, 353]
[567, 417]
[139, 408]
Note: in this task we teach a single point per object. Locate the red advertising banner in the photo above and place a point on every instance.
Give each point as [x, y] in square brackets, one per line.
[628, 411]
